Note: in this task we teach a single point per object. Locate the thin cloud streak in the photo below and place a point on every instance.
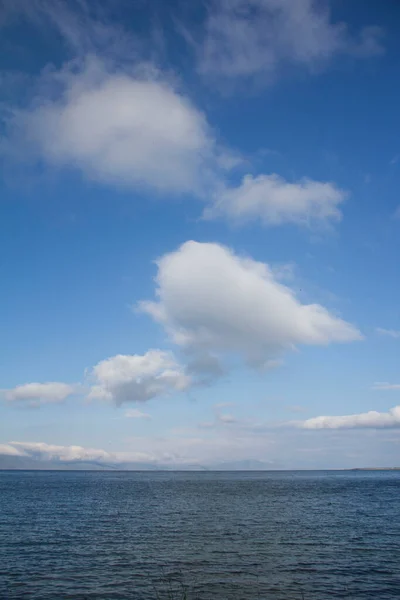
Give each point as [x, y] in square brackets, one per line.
[384, 385]
[256, 39]
[388, 332]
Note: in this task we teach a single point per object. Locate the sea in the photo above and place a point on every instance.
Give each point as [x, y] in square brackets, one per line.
[199, 535]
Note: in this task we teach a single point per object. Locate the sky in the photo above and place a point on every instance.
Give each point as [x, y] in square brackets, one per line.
[200, 232]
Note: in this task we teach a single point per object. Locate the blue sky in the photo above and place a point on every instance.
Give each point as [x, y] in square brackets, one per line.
[199, 232]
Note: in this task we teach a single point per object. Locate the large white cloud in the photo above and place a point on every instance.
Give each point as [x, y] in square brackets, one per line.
[36, 394]
[130, 129]
[244, 38]
[134, 129]
[371, 419]
[213, 301]
[137, 378]
[275, 201]
[118, 121]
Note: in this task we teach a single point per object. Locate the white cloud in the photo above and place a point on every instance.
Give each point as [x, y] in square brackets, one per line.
[8, 450]
[137, 378]
[63, 453]
[36, 394]
[110, 112]
[129, 129]
[211, 300]
[384, 385]
[43, 451]
[248, 38]
[275, 201]
[118, 121]
[132, 127]
[371, 419]
[389, 332]
[133, 413]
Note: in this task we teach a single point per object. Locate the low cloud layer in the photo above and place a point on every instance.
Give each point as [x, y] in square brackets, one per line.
[223, 445]
[371, 419]
[137, 378]
[212, 301]
[52, 452]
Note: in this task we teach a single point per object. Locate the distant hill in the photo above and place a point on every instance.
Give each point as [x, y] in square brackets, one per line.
[31, 464]
[35, 464]
[25, 463]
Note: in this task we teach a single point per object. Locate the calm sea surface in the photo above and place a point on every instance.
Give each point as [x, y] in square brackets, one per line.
[123, 535]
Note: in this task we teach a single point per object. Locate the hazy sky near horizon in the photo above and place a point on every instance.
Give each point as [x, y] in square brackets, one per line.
[200, 226]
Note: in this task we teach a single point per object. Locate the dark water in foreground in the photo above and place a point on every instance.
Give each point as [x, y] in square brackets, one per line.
[282, 535]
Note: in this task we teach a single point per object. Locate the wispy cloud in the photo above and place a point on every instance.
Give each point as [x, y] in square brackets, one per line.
[226, 418]
[85, 26]
[257, 38]
[384, 385]
[394, 333]
[133, 413]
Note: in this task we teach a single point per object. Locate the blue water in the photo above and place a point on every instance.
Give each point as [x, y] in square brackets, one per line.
[275, 535]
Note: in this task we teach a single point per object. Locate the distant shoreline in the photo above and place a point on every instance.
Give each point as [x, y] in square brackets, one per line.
[375, 469]
[116, 470]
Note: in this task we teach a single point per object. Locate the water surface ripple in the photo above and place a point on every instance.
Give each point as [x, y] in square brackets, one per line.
[229, 536]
